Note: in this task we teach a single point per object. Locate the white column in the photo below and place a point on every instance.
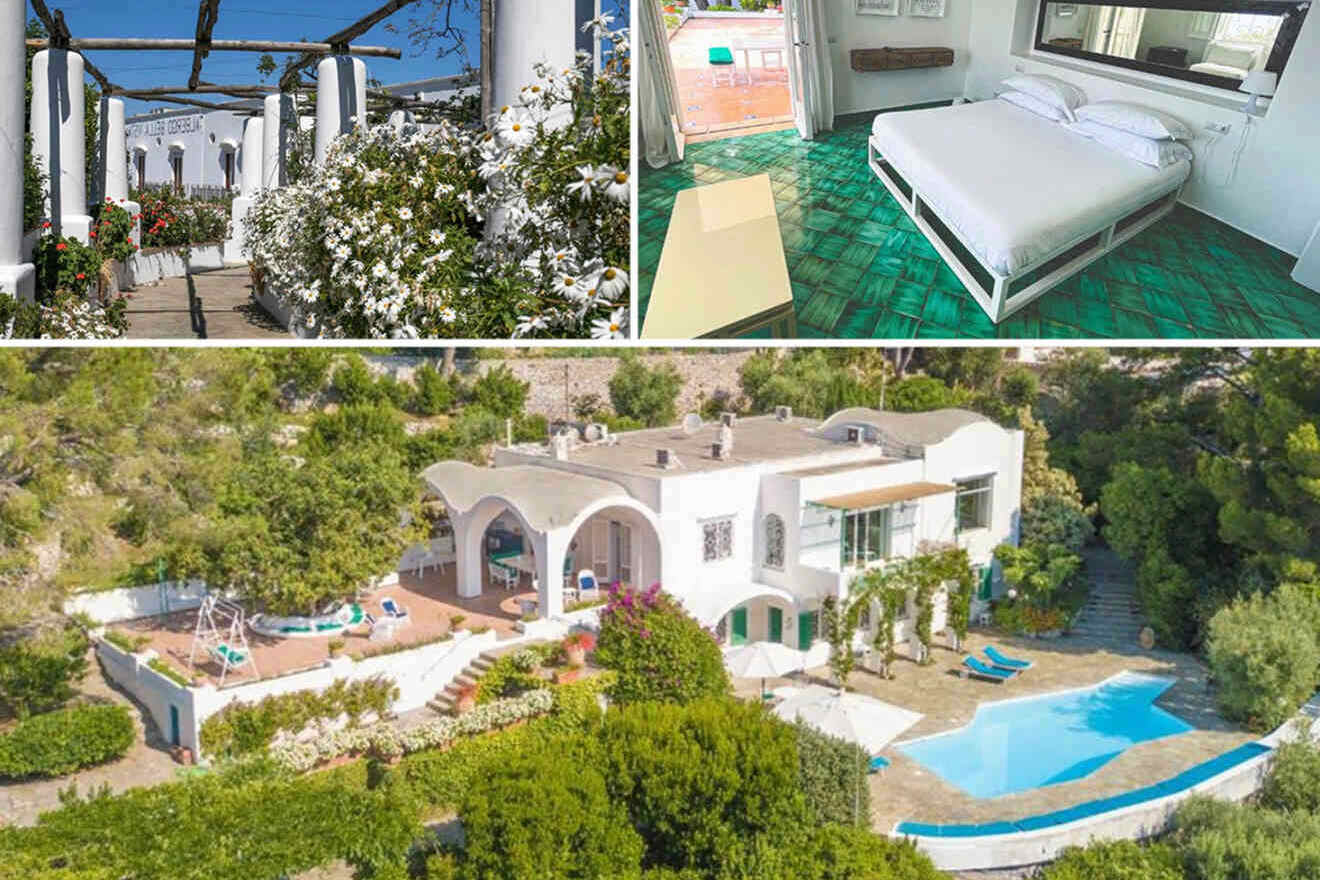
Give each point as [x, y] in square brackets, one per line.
[550, 548]
[277, 131]
[16, 277]
[59, 139]
[469, 553]
[249, 171]
[526, 33]
[341, 99]
[114, 162]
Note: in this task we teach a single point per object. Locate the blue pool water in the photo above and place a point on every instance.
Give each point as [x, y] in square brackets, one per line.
[1017, 745]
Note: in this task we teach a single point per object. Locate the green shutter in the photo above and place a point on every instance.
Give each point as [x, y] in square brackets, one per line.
[806, 629]
[987, 583]
[775, 631]
[738, 627]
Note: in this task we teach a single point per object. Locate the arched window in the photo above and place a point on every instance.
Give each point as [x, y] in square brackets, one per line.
[774, 541]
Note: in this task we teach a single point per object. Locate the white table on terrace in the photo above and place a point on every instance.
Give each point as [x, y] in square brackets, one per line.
[750, 46]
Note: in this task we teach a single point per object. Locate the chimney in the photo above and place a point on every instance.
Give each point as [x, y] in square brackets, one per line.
[726, 439]
[718, 451]
[560, 444]
[856, 435]
[783, 413]
[727, 419]
[664, 459]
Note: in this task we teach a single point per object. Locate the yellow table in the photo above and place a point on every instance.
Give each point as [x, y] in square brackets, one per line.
[722, 272]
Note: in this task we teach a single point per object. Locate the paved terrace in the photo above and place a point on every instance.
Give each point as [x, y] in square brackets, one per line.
[431, 601]
[705, 107]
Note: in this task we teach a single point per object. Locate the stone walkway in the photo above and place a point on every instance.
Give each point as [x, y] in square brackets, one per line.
[227, 311]
[146, 764]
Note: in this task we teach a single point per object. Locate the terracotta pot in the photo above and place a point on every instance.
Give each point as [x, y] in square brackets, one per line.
[577, 655]
[564, 676]
[465, 705]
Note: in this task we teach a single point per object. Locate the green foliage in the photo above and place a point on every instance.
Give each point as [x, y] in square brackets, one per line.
[242, 728]
[306, 367]
[924, 393]
[499, 392]
[173, 220]
[837, 626]
[34, 182]
[1052, 508]
[42, 672]
[272, 827]
[1294, 780]
[1264, 653]
[60, 742]
[704, 784]
[112, 228]
[170, 672]
[1226, 841]
[1115, 860]
[354, 382]
[814, 382]
[510, 675]
[546, 815]
[837, 852]
[647, 394]
[1038, 571]
[658, 650]
[832, 777]
[934, 568]
[434, 394]
[1023, 617]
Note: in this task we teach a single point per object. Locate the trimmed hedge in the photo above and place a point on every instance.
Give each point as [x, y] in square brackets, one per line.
[244, 728]
[832, 774]
[60, 742]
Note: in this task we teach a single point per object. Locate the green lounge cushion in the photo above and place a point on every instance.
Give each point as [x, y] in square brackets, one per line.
[721, 55]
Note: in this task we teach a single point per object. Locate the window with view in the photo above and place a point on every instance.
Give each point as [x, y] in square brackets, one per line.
[867, 536]
[973, 502]
[717, 539]
[1213, 42]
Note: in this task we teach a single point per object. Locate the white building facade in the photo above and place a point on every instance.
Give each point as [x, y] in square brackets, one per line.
[751, 524]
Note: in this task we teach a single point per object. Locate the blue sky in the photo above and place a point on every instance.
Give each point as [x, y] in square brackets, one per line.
[248, 19]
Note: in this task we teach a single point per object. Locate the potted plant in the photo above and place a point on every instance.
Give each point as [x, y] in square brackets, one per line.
[456, 620]
[336, 647]
[576, 647]
[466, 699]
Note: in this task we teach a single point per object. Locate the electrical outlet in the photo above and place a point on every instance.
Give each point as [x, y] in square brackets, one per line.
[1218, 127]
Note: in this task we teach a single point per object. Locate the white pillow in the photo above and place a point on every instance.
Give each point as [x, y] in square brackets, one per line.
[1135, 119]
[1230, 55]
[1147, 151]
[1035, 105]
[1066, 96]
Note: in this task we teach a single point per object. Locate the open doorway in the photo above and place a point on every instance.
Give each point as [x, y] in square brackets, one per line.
[730, 67]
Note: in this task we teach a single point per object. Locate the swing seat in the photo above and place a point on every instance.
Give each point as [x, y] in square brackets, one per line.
[226, 654]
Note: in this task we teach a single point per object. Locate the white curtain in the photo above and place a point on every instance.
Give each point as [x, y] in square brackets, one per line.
[657, 124]
[818, 71]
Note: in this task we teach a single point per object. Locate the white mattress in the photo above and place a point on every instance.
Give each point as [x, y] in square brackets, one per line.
[1015, 186]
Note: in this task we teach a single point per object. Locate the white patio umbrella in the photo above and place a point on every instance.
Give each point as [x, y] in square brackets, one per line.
[762, 660]
[871, 723]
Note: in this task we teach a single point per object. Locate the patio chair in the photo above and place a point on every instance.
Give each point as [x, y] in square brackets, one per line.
[721, 63]
[505, 575]
[976, 669]
[393, 609]
[877, 764]
[586, 581]
[1003, 661]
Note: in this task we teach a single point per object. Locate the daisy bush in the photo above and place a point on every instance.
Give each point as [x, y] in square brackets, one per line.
[443, 231]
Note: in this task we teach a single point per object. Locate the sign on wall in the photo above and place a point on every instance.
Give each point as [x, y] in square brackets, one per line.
[877, 7]
[159, 127]
[926, 8]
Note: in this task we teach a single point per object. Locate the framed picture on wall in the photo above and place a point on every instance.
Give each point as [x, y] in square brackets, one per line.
[926, 8]
[877, 7]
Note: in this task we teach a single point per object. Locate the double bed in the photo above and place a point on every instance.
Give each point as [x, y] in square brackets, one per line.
[1013, 202]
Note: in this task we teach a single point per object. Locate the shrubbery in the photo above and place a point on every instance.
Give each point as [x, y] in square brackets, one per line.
[40, 673]
[60, 742]
[1115, 860]
[657, 649]
[1264, 652]
[832, 777]
[1226, 841]
[241, 728]
[1294, 780]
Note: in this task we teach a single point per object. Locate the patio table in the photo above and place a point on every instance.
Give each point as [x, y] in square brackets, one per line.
[749, 46]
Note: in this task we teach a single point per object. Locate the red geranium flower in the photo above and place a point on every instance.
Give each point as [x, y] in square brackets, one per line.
[92, 233]
[61, 246]
[81, 276]
[45, 224]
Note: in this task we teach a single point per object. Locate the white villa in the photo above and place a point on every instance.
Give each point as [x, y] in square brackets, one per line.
[751, 522]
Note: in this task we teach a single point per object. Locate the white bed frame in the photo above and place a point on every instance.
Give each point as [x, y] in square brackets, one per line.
[998, 303]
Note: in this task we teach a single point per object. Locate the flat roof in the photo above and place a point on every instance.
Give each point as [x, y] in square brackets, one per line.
[825, 470]
[883, 496]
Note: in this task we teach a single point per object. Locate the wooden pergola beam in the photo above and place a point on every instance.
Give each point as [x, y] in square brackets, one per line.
[207, 13]
[173, 45]
[201, 89]
[60, 37]
[340, 38]
[191, 102]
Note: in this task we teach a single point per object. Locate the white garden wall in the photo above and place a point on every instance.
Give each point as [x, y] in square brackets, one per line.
[155, 264]
[154, 691]
[129, 603]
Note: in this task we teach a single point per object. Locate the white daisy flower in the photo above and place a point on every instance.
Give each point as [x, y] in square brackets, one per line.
[569, 286]
[612, 282]
[405, 213]
[582, 186]
[616, 186]
[612, 327]
[437, 237]
[515, 131]
[448, 315]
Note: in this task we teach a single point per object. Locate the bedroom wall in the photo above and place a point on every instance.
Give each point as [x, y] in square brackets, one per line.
[1275, 194]
[855, 92]
[1168, 27]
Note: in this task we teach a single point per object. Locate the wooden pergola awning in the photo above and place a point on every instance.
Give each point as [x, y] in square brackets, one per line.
[883, 496]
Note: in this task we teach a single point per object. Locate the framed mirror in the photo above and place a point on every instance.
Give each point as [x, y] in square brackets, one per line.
[1212, 42]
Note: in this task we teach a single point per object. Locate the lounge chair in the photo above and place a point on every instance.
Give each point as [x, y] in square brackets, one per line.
[393, 609]
[877, 764]
[1005, 662]
[976, 669]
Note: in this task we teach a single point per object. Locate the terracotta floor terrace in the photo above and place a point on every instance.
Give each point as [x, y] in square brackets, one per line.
[708, 107]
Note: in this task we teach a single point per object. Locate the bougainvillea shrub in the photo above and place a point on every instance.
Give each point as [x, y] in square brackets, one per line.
[658, 650]
[443, 231]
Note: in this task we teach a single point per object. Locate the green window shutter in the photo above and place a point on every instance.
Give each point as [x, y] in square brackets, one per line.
[738, 627]
[987, 583]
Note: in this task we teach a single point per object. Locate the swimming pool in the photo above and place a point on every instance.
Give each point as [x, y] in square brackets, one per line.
[1021, 744]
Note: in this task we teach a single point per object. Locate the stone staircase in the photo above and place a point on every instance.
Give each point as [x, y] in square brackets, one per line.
[1111, 614]
[443, 702]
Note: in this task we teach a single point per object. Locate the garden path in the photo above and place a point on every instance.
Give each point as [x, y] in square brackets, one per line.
[147, 762]
[227, 311]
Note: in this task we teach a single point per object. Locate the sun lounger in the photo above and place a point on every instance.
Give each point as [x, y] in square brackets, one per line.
[877, 764]
[393, 609]
[976, 669]
[1005, 662]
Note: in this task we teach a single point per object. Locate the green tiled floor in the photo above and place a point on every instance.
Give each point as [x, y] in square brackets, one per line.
[860, 269]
